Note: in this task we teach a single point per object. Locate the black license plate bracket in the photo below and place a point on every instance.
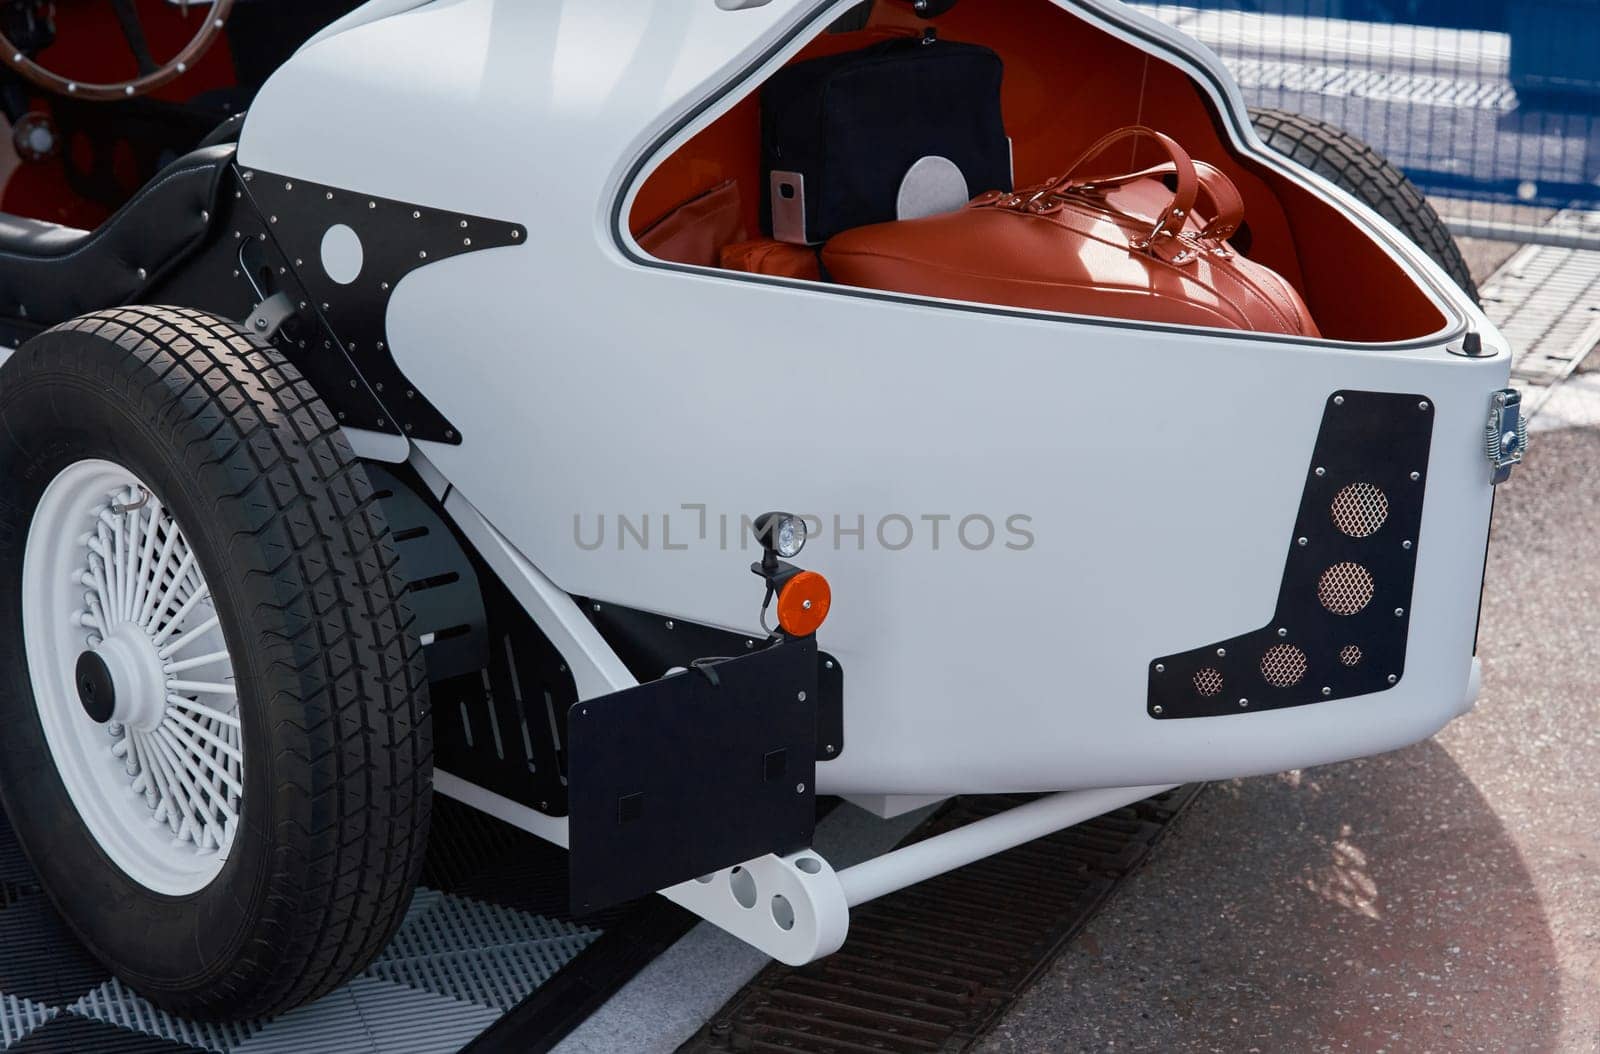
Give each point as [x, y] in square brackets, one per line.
[697, 771]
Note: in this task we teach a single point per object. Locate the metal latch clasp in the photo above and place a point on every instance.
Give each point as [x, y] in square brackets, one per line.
[1505, 437]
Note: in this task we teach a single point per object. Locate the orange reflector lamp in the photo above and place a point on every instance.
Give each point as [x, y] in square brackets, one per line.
[803, 604]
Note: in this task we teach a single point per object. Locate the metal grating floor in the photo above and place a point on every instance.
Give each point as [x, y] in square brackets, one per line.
[1419, 89]
[934, 966]
[1546, 301]
[488, 927]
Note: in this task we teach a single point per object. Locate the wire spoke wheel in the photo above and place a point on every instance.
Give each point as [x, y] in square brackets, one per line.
[217, 755]
[132, 678]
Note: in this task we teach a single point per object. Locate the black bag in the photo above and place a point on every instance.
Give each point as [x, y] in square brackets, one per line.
[839, 134]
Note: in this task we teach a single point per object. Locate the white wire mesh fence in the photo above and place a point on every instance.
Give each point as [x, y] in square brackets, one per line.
[1491, 106]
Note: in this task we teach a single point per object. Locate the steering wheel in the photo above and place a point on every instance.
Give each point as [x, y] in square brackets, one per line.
[152, 74]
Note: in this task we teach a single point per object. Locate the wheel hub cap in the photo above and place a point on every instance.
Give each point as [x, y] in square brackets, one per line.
[96, 689]
[134, 693]
[132, 677]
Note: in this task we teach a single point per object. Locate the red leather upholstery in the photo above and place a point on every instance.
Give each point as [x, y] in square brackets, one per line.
[695, 231]
[1067, 80]
[770, 256]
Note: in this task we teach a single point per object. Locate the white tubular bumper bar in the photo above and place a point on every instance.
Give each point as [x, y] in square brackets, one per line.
[900, 868]
[797, 908]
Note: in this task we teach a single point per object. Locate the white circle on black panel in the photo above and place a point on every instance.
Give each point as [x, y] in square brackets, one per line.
[342, 255]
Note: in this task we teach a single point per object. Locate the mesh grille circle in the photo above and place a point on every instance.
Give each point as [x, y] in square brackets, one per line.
[1283, 665]
[1359, 509]
[1350, 655]
[1208, 682]
[1345, 588]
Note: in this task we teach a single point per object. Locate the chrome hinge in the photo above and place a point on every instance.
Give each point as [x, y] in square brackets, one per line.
[1505, 437]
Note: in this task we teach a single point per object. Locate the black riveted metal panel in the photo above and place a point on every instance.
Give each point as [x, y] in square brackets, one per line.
[1370, 444]
[679, 777]
[397, 238]
[240, 266]
[650, 644]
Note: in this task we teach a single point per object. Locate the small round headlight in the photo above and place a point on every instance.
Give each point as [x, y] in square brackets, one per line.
[790, 537]
[780, 533]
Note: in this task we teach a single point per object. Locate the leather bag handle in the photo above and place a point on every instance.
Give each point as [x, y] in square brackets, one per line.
[1172, 218]
[1192, 178]
[1226, 203]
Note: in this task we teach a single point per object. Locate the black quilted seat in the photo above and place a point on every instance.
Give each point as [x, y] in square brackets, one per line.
[50, 273]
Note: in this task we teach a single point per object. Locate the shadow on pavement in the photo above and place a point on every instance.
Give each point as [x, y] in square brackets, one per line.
[1443, 897]
[1368, 905]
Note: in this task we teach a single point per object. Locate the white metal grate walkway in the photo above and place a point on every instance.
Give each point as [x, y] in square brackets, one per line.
[1546, 301]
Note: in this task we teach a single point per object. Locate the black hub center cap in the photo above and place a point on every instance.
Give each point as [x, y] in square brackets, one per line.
[95, 690]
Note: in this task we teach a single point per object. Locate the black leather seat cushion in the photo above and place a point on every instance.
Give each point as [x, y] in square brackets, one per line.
[50, 273]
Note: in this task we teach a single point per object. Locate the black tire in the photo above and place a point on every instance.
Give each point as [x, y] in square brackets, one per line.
[1351, 164]
[330, 682]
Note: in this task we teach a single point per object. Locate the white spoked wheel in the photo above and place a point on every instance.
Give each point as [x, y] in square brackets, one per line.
[132, 678]
[215, 745]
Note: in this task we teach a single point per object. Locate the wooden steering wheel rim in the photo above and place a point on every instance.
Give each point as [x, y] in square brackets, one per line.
[210, 29]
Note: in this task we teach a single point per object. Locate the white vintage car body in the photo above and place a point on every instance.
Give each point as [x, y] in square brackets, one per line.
[1146, 477]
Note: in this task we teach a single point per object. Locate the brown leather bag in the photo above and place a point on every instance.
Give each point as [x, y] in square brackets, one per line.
[1120, 245]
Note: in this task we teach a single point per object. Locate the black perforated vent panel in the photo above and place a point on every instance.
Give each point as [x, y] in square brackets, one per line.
[1344, 607]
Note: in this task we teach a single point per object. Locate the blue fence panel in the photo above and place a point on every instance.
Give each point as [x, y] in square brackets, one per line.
[1491, 106]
